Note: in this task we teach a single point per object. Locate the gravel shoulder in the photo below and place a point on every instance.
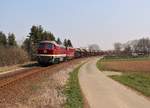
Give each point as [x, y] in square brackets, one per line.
[103, 92]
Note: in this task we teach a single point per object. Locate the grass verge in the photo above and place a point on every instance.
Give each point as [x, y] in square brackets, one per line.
[102, 66]
[99, 65]
[139, 82]
[14, 67]
[73, 92]
[8, 68]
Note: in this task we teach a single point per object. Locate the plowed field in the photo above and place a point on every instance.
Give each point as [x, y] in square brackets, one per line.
[126, 66]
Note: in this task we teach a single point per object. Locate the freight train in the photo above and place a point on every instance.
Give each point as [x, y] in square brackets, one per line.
[51, 52]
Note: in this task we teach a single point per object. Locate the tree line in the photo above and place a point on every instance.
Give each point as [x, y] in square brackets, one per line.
[36, 34]
[140, 46]
[7, 41]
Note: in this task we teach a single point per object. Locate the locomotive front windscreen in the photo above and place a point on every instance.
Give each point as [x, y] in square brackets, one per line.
[46, 45]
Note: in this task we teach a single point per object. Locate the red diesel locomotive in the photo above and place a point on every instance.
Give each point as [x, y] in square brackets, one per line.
[51, 52]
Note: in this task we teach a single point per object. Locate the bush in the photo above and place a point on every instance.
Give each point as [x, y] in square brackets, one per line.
[12, 56]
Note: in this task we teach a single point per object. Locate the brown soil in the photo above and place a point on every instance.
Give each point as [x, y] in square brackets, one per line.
[36, 88]
[127, 66]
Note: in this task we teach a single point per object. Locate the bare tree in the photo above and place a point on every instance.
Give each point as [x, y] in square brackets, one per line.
[143, 46]
[117, 47]
[94, 47]
[127, 50]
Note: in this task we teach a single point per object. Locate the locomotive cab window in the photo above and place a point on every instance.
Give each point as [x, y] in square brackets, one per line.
[50, 46]
[46, 45]
[41, 45]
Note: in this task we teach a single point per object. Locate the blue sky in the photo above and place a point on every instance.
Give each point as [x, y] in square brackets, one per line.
[85, 22]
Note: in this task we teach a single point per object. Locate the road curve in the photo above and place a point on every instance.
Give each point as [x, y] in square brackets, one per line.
[103, 92]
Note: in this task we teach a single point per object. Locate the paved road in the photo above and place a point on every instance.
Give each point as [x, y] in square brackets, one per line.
[103, 92]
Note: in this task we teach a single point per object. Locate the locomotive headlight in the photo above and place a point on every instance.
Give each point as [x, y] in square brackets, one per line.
[45, 51]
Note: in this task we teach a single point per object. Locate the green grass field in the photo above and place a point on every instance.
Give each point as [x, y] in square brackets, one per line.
[73, 92]
[136, 71]
[139, 82]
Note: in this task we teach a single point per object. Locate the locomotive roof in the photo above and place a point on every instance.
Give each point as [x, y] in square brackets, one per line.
[52, 42]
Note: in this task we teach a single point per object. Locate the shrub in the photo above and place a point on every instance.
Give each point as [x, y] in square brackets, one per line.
[12, 56]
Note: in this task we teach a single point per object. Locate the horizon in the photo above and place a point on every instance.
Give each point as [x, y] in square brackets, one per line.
[83, 22]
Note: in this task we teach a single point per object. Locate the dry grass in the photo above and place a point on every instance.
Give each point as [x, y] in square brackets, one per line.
[12, 56]
[19, 66]
[126, 66]
[8, 68]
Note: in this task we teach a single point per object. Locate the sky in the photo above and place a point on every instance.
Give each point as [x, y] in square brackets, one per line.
[85, 22]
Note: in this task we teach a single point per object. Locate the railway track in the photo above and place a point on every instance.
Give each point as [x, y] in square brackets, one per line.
[12, 77]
